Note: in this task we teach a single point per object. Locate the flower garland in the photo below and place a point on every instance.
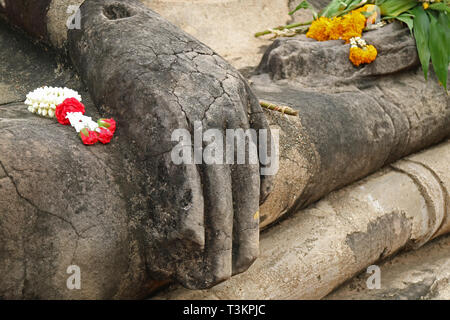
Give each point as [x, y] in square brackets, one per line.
[43, 101]
[348, 28]
[65, 105]
[360, 52]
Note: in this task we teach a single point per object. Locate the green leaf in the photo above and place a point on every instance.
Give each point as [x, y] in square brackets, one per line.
[421, 30]
[407, 19]
[440, 6]
[438, 49]
[352, 5]
[444, 23]
[394, 8]
[336, 7]
[331, 8]
[303, 5]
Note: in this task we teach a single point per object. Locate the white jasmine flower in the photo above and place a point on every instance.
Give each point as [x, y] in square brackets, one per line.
[44, 100]
[79, 121]
[357, 42]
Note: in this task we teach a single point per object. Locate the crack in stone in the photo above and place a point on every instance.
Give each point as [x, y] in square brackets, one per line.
[39, 210]
[25, 238]
[11, 103]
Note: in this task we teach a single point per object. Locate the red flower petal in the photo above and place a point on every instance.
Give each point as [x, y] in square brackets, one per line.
[89, 137]
[109, 124]
[68, 105]
[105, 135]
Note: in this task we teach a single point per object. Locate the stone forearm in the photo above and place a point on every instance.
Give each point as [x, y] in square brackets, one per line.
[352, 121]
[339, 138]
[44, 20]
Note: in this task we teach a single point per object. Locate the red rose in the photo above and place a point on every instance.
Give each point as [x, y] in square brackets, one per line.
[89, 137]
[105, 135]
[109, 124]
[68, 105]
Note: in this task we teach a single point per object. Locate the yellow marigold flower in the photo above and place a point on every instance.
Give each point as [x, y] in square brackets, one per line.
[359, 56]
[319, 29]
[425, 5]
[353, 25]
[350, 25]
[335, 29]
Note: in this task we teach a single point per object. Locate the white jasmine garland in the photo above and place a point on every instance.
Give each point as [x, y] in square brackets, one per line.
[79, 121]
[65, 105]
[43, 101]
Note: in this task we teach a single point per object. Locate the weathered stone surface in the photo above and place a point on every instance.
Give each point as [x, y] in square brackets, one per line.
[347, 129]
[58, 14]
[352, 121]
[360, 121]
[308, 254]
[29, 16]
[313, 63]
[199, 221]
[59, 205]
[423, 274]
[346, 133]
[60, 202]
[22, 67]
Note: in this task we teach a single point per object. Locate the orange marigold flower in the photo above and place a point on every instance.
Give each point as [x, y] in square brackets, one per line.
[353, 25]
[319, 29]
[335, 29]
[348, 26]
[359, 56]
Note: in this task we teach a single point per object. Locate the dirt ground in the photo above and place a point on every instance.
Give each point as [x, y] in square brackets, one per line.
[227, 26]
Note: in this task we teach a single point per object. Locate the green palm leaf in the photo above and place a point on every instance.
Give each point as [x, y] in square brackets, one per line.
[421, 31]
[393, 8]
[438, 48]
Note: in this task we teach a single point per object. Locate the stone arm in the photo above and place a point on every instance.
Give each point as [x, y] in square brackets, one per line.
[196, 223]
